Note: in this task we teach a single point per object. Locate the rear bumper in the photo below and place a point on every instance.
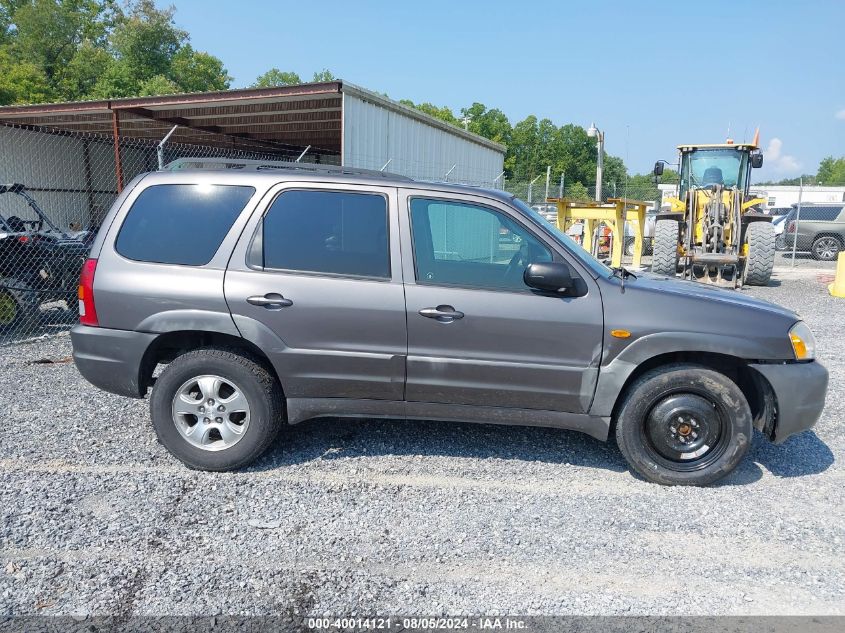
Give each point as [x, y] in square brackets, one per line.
[800, 390]
[111, 359]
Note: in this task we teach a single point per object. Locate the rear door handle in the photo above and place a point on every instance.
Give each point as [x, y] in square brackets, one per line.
[271, 301]
[443, 313]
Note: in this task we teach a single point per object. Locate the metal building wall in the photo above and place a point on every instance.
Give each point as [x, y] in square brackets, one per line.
[376, 130]
[71, 175]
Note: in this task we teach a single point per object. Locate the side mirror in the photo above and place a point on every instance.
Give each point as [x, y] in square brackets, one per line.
[548, 276]
[757, 160]
[658, 169]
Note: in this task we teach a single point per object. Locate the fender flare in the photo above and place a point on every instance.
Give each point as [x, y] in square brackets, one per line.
[614, 375]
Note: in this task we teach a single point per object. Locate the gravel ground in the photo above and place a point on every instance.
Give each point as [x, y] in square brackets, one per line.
[405, 517]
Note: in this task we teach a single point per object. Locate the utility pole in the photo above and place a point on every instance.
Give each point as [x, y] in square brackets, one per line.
[797, 220]
[594, 132]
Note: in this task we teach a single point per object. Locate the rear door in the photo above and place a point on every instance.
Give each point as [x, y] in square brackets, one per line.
[316, 281]
[477, 335]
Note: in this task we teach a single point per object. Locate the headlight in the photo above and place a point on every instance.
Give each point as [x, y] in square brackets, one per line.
[803, 341]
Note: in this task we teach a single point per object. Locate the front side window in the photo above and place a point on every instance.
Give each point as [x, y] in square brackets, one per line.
[329, 232]
[180, 224]
[463, 244]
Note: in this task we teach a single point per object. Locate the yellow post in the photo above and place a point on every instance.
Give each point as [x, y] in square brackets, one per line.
[837, 288]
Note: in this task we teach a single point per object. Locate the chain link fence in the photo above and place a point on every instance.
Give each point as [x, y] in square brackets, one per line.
[55, 189]
[810, 236]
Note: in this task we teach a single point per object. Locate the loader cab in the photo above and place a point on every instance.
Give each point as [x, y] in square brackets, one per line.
[707, 165]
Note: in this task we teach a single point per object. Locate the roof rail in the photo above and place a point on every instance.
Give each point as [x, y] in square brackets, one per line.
[259, 165]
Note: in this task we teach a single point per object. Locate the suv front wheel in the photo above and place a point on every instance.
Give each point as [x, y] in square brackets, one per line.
[215, 409]
[684, 425]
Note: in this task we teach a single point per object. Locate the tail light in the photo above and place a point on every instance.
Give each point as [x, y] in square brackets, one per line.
[790, 228]
[87, 310]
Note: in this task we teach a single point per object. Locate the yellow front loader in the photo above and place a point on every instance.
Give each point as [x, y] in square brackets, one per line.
[713, 232]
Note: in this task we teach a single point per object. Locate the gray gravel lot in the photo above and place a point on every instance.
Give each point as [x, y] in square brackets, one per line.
[406, 517]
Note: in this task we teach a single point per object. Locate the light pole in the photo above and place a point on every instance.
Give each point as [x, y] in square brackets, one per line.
[594, 132]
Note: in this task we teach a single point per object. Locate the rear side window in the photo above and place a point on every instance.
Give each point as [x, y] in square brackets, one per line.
[332, 232]
[821, 214]
[180, 224]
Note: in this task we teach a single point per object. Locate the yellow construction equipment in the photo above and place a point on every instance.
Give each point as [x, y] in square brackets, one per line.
[613, 215]
[714, 232]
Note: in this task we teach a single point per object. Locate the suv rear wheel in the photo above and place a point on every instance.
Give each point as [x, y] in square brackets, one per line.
[684, 425]
[215, 409]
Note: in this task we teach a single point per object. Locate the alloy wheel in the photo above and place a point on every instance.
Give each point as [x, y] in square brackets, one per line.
[826, 248]
[211, 412]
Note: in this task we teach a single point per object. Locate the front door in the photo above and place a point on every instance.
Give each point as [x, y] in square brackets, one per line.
[477, 335]
[321, 271]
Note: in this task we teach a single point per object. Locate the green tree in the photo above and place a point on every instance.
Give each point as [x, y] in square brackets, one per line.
[146, 40]
[491, 124]
[831, 171]
[82, 73]
[158, 85]
[807, 179]
[83, 49]
[49, 33]
[443, 113]
[275, 77]
[577, 191]
[323, 75]
[196, 71]
[22, 82]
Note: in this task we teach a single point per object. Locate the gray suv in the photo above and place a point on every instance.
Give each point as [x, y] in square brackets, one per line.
[819, 229]
[271, 296]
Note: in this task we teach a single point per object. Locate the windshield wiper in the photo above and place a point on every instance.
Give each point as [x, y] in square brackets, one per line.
[622, 274]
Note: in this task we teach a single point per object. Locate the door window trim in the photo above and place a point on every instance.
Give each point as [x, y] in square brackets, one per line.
[259, 230]
[556, 257]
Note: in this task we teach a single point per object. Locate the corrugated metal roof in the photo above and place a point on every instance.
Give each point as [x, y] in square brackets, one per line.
[307, 114]
[283, 117]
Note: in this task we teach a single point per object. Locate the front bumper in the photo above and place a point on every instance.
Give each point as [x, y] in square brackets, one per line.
[111, 359]
[800, 390]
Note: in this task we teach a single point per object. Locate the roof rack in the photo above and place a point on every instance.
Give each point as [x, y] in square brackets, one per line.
[260, 165]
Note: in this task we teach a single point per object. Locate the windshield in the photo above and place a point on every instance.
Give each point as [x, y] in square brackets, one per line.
[599, 269]
[706, 167]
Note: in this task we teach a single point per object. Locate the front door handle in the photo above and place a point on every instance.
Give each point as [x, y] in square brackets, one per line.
[271, 301]
[443, 313]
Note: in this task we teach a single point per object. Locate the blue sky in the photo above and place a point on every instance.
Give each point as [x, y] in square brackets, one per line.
[776, 64]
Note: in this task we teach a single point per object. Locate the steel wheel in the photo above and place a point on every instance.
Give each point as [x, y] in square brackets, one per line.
[826, 248]
[210, 412]
[685, 431]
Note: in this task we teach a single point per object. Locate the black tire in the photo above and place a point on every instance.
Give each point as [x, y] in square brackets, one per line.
[18, 306]
[665, 258]
[707, 409]
[760, 237]
[826, 248]
[263, 394]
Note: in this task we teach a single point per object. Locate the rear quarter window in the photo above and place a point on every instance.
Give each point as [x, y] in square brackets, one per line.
[821, 214]
[180, 224]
